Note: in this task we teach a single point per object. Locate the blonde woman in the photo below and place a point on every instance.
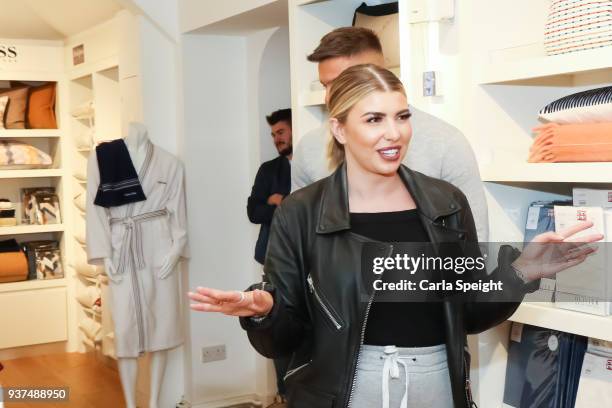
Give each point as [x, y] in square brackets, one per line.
[347, 352]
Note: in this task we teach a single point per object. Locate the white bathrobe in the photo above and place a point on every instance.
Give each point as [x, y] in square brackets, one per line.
[137, 237]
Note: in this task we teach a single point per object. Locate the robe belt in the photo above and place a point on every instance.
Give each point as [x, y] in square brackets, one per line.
[132, 239]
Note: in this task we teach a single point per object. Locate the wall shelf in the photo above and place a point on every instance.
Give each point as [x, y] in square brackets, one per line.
[32, 285]
[31, 229]
[547, 172]
[313, 98]
[306, 2]
[545, 68]
[29, 133]
[551, 317]
[33, 173]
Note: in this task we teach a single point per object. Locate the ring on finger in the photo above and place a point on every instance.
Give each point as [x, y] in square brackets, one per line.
[242, 297]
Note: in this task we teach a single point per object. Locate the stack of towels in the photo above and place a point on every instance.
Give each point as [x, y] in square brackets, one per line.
[579, 129]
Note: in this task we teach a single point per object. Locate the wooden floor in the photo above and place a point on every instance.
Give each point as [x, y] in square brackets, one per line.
[92, 383]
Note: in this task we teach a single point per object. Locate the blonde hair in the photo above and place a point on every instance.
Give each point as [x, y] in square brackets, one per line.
[354, 84]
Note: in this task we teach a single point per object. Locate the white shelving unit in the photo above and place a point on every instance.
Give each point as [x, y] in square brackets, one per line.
[313, 98]
[308, 22]
[25, 327]
[12, 174]
[29, 133]
[60, 316]
[31, 229]
[512, 80]
[14, 287]
[560, 68]
[547, 315]
[522, 172]
[97, 83]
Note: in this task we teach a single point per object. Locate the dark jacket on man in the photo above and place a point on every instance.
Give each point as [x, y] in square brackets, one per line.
[273, 177]
[319, 314]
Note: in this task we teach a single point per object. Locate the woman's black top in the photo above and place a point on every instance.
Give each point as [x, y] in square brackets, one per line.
[403, 324]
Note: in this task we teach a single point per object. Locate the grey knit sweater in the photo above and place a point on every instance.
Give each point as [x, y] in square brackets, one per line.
[436, 149]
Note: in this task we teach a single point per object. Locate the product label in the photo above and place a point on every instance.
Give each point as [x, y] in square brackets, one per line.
[532, 218]
[516, 333]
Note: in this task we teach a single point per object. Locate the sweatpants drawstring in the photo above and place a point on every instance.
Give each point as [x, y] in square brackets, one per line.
[391, 368]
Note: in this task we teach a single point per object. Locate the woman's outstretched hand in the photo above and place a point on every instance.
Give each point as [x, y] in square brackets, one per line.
[232, 303]
[552, 252]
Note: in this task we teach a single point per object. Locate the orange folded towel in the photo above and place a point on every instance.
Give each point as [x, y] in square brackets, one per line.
[589, 142]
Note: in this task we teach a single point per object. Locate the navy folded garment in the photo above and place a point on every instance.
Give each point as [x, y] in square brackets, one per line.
[543, 368]
[119, 183]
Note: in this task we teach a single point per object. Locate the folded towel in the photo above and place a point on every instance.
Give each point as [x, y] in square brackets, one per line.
[119, 183]
[589, 142]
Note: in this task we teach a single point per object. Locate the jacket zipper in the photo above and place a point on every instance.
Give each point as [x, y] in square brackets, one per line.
[468, 387]
[295, 370]
[322, 304]
[363, 328]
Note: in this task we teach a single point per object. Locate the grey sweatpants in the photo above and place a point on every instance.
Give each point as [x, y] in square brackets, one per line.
[388, 375]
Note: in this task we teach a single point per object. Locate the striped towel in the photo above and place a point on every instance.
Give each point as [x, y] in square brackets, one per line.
[577, 25]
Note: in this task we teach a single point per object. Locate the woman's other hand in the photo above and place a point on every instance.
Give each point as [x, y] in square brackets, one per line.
[232, 303]
[552, 252]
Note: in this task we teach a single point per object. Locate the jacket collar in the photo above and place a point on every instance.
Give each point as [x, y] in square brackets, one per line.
[334, 214]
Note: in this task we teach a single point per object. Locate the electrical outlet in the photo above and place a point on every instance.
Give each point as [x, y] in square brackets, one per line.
[213, 353]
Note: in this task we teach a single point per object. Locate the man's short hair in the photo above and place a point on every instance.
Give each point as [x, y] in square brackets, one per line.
[346, 42]
[281, 115]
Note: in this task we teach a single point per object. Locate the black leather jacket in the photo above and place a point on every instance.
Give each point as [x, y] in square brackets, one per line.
[319, 317]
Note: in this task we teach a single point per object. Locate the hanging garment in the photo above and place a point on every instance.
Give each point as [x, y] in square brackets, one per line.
[146, 306]
[119, 184]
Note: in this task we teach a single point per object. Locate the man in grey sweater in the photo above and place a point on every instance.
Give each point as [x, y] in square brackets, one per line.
[436, 149]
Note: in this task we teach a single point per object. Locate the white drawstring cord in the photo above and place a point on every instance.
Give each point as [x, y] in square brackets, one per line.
[391, 367]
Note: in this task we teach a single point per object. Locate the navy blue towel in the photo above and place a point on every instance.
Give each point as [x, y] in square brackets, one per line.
[119, 183]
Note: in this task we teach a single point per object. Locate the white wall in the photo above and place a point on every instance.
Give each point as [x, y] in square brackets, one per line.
[217, 161]
[269, 83]
[159, 82]
[163, 13]
[269, 89]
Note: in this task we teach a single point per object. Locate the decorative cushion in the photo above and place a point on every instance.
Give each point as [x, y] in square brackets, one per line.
[85, 269]
[383, 19]
[41, 107]
[84, 110]
[91, 329]
[594, 105]
[80, 203]
[3, 104]
[14, 154]
[84, 139]
[16, 112]
[88, 295]
[80, 231]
